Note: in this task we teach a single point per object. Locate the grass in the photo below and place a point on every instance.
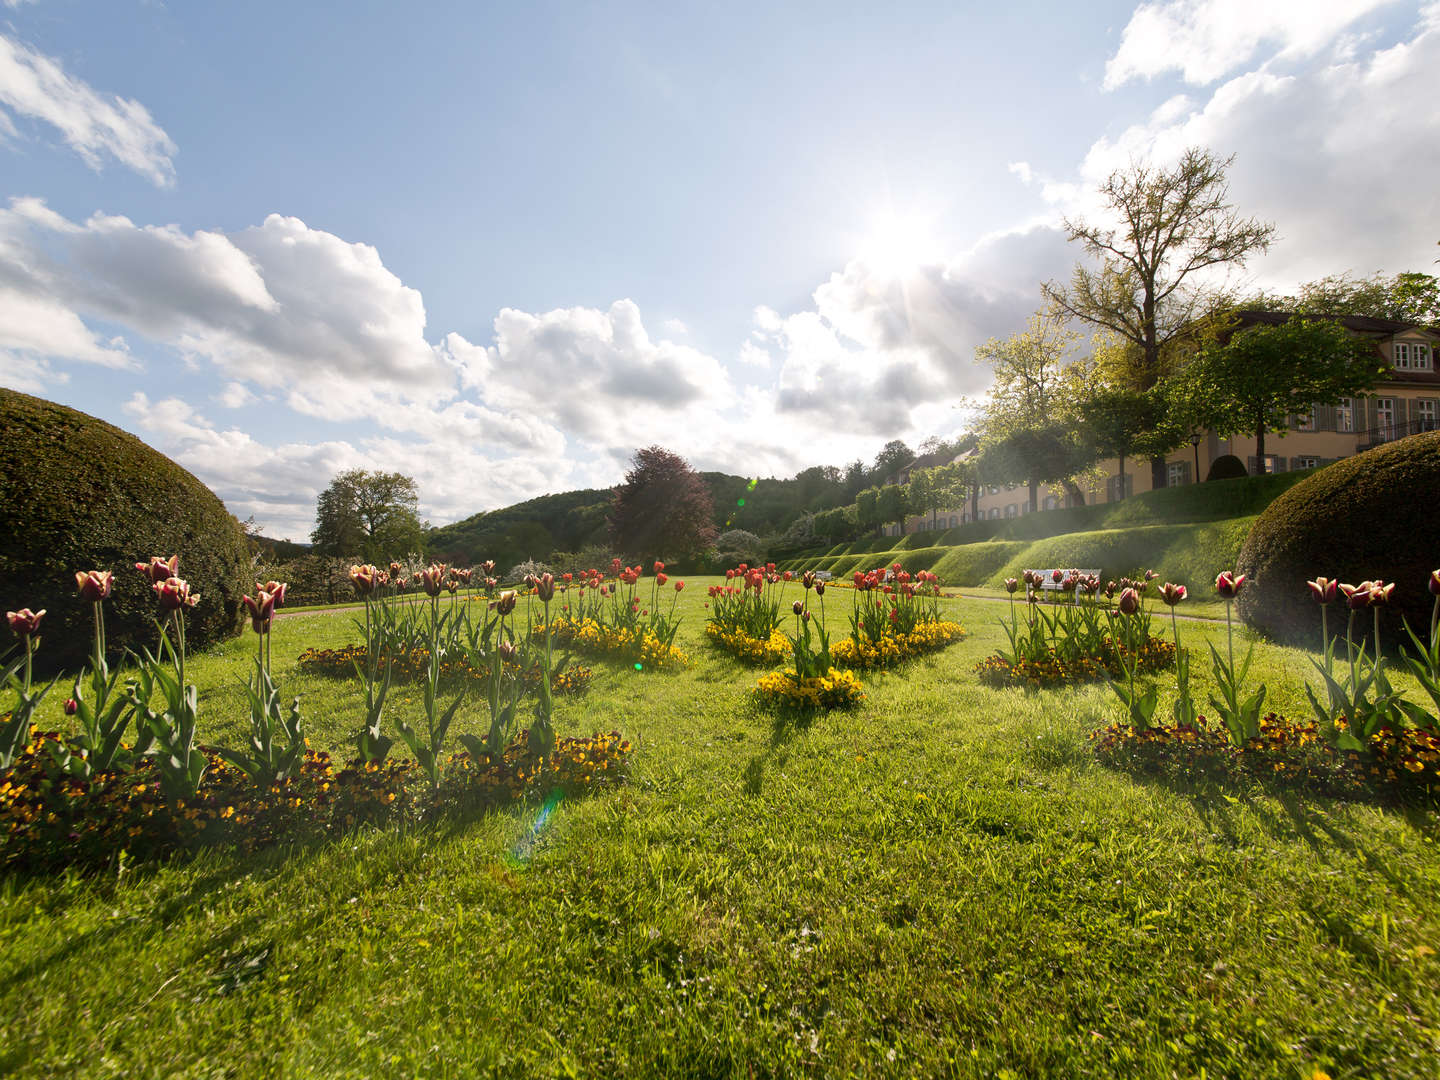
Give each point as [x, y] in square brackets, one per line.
[942, 882]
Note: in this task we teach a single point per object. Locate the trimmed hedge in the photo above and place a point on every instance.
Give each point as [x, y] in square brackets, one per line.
[1226, 467]
[77, 493]
[1370, 516]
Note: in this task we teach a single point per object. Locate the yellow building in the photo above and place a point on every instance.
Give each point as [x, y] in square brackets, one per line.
[1406, 402]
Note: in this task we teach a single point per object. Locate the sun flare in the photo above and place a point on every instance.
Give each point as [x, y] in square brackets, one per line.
[897, 243]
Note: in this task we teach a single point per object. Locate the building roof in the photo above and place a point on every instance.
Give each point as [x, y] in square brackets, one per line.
[1360, 324]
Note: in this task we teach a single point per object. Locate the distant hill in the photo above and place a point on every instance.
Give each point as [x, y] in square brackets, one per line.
[572, 520]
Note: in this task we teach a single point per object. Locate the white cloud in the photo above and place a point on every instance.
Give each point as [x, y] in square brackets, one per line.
[1339, 156]
[1205, 40]
[95, 125]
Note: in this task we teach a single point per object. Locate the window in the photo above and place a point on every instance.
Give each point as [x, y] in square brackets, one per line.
[954, 522]
[1345, 415]
[1412, 356]
[1175, 474]
[1306, 461]
[994, 512]
[1011, 510]
[1051, 503]
[1114, 492]
[1305, 421]
[1385, 418]
[1425, 414]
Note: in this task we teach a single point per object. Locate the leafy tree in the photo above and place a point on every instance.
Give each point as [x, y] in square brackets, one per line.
[1035, 455]
[923, 495]
[1174, 223]
[1118, 422]
[735, 546]
[867, 510]
[891, 458]
[1407, 297]
[1027, 369]
[854, 478]
[894, 504]
[370, 514]
[663, 509]
[1262, 374]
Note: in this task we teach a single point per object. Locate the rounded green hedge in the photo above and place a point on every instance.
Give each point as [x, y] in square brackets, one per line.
[77, 493]
[1372, 516]
[1226, 467]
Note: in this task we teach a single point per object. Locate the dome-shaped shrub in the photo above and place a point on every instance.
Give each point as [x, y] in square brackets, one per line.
[1372, 516]
[1227, 467]
[79, 494]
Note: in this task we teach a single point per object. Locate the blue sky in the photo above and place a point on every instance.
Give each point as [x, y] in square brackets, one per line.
[500, 247]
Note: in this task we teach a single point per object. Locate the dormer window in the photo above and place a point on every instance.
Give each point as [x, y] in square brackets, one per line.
[1412, 356]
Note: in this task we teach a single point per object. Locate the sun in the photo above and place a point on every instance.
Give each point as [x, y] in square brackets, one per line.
[897, 243]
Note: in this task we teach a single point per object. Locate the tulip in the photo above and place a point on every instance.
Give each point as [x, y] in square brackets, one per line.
[1380, 593]
[1057, 576]
[174, 594]
[431, 579]
[1151, 575]
[508, 652]
[1228, 584]
[819, 588]
[661, 579]
[1434, 583]
[807, 579]
[24, 623]
[1172, 594]
[94, 585]
[859, 580]
[453, 586]
[71, 706]
[506, 604]
[363, 578]
[615, 565]
[797, 607]
[158, 569]
[787, 576]
[1323, 589]
[545, 586]
[1129, 602]
[679, 585]
[1357, 597]
[395, 569]
[261, 607]
[660, 567]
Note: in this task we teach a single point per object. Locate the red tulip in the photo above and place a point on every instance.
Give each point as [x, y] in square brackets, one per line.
[71, 706]
[24, 623]
[174, 594]
[431, 578]
[819, 588]
[1129, 602]
[1323, 589]
[661, 579]
[1011, 584]
[1357, 597]
[679, 585]
[1434, 583]
[797, 607]
[1171, 593]
[1228, 585]
[1380, 593]
[659, 566]
[94, 585]
[545, 586]
[158, 569]
[261, 607]
[363, 578]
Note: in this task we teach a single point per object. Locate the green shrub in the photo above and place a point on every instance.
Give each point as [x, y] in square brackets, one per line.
[1366, 517]
[1189, 555]
[79, 494]
[1226, 467]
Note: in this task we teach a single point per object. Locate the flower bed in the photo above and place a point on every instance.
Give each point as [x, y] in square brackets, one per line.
[1054, 669]
[896, 648]
[1402, 764]
[747, 649]
[834, 690]
[414, 664]
[50, 819]
[637, 644]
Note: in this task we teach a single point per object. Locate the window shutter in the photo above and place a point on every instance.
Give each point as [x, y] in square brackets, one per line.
[1252, 463]
[1360, 424]
[1325, 418]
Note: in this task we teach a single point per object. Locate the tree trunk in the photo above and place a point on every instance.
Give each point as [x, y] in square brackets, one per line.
[1260, 449]
[975, 503]
[1034, 489]
[1157, 472]
[1073, 490]
[1122, 475]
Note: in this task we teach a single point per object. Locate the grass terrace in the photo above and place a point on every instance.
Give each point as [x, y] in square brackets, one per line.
[943, 880]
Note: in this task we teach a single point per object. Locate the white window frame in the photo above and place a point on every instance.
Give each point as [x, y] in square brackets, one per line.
[1175, 474]
[1402, 355]
[1305, 421]
[1306, 461]
[1385, 426]
[1345, 415]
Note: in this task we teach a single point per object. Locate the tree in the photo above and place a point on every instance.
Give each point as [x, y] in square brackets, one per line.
[893, 504]
[867, 515]
[1027, 369]
[924, 495]
[369, 514]
[1262, 374]
[1118, 422]
[663, 510]
[890, 459]
[1407, 297]
[1174, 223]
[1035, 455]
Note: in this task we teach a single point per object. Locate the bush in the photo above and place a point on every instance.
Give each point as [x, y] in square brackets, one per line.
[1366, 517]
[1226, 467]
[79, 494]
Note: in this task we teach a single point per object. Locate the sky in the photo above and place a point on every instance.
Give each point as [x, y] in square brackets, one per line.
[499, 247]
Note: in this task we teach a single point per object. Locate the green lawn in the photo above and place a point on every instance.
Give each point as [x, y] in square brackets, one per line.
[942, 882]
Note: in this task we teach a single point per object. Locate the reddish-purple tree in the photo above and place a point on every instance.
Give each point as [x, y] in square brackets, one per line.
[663, 510]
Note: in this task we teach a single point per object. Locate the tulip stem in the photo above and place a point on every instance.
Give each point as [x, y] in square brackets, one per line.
[1378, 656]
[1229, 634]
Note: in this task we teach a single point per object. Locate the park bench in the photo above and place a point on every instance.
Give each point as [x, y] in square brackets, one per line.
[1047, 577]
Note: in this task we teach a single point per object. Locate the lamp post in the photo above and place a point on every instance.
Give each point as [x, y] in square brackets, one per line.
[1195, 437]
